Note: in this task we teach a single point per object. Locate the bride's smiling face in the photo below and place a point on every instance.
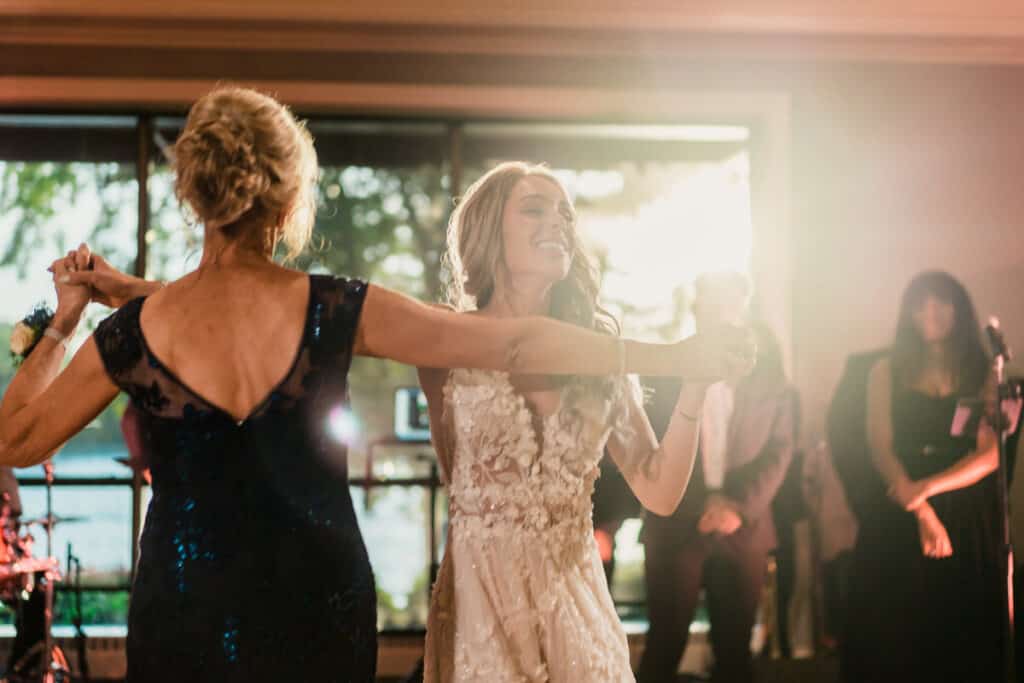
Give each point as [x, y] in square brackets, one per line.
[537, 227]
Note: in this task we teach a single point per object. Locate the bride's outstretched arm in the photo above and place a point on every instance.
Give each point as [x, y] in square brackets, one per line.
[658, 474]
[406, 330]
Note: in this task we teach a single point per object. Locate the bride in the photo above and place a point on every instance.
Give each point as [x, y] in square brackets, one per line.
[521, 595]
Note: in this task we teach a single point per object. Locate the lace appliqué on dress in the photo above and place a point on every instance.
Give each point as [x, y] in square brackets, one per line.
[521, 596]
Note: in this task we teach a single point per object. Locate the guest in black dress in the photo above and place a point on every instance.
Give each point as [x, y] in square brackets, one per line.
[252, 567]
[926, 582]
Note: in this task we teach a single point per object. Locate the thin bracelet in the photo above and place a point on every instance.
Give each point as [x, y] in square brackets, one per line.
[56, 336]
[691, 418]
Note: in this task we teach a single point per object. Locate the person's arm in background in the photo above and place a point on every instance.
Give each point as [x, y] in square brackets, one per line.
[749, 490]
[847, 436]
[880, 434]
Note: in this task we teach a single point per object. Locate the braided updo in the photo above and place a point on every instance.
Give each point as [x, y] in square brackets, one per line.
[244, 165]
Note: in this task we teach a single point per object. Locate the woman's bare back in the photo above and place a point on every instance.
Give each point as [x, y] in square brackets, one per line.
[229, 334]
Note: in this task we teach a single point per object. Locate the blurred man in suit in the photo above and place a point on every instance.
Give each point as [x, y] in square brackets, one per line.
[720, 535]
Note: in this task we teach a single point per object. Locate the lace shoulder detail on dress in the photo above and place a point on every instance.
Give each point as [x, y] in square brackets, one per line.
[130, 365]
[119, 342]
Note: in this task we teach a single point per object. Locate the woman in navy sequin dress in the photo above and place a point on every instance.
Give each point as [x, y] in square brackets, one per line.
[252, 567]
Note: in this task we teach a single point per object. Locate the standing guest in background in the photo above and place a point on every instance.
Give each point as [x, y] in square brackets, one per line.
[793, 558]
[834, 532]
[720, 535]
[846, 460]
[925, 602]
[252, 567]
[846, 429]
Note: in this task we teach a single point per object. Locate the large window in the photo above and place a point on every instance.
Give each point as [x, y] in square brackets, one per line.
[657, 204]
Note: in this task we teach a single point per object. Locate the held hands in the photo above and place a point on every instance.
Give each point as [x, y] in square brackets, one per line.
[71, 298]
[935, 541]
[721, 516]
[105, 284]
[722, 353]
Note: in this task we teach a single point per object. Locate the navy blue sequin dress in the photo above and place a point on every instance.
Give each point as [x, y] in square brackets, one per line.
[252, 567]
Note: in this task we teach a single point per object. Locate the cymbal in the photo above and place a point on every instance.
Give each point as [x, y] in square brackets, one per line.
[56, 519]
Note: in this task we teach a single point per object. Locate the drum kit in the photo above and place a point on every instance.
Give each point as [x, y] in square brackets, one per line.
[27, 587]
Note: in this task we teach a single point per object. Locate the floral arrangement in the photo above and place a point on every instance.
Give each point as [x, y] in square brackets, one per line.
[27, 333]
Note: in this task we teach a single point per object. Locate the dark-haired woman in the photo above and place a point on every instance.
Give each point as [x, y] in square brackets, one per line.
[927, 584]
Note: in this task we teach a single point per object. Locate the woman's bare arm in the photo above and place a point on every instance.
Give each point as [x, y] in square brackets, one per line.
[403, 329]
[43, 407]
[661, 480]
[879, 427]
[968, 470]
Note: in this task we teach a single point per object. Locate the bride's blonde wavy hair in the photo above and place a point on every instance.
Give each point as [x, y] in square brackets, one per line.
[475, 254]
[244, 165]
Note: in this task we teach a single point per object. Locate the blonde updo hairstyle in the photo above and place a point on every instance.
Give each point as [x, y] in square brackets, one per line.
[244, 165]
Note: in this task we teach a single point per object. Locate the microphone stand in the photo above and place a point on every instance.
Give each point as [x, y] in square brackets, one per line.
[1006, 391]
[46, 659]
[83, 662]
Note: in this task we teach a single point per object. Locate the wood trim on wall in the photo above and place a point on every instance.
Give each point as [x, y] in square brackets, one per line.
[413, 99]
[944, 31]
[511, 41]
[878, 17]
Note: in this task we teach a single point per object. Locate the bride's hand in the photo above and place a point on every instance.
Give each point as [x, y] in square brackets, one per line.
[723, 353]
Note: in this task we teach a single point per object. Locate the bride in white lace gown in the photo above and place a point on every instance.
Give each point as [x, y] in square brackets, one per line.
[521, 596]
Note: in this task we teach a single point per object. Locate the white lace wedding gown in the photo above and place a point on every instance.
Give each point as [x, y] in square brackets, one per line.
[521, 596]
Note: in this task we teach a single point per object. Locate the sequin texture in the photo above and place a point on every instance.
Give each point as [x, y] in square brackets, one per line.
[252, 567]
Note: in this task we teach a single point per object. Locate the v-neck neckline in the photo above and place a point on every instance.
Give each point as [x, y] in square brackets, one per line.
[261, 405]
[525, 404]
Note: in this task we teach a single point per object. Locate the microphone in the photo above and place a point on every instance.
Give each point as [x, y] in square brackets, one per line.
[997, 341]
